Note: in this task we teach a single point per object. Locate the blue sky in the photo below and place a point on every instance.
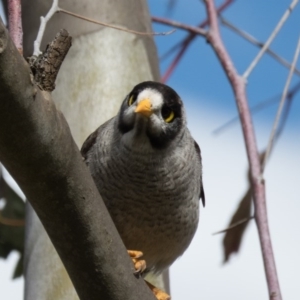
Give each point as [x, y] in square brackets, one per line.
[199, 73]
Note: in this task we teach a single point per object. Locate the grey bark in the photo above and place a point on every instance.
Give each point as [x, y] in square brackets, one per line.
[101, 68]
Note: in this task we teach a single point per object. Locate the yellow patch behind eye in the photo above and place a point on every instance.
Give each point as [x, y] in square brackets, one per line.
[170, 117]
[131, 100]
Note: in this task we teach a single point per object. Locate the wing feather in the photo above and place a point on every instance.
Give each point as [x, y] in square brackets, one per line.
[202, 195]
[91, 140]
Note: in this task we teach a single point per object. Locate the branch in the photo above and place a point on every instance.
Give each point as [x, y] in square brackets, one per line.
[112, 26]
[238, 85]
[38, 150]
[176, 60]
[280, 108]
[191, 29]
[260, 106]
[44, 21]
[286, 112]
[45, 67]
[238, 223]
[270, 39]
[56, 9]
[257, 43]
[186, 42]
[15, 23]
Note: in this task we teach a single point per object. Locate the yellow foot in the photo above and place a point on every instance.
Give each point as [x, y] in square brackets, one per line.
[139, 264]
[159, 294]
[140, 267]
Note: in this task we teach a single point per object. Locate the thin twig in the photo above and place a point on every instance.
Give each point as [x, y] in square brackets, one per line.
[175, 62]
[201, 25]
[186, 42]
[44, 20]
[284, 117]
[239, 88]
[270, 39]
[113, 26]
[281, 104]
[257, 43]
[55, 8]
[236, 224]
[258, 107]
[170, 51]
[15, 23]
[191, 29]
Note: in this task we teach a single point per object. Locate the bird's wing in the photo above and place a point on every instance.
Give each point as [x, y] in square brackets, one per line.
[91, 140]
[202, 195]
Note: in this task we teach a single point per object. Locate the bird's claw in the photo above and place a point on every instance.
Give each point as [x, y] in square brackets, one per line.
[139, 264]
[159, 294]
[140, 267]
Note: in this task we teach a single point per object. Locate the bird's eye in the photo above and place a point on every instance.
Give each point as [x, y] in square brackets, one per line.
[168, 114]
[131, 100]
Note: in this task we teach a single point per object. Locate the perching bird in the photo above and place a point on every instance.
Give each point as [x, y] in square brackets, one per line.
[148, 170]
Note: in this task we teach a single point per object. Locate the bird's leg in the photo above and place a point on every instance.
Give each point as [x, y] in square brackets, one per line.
[139, 264]
[159, 294]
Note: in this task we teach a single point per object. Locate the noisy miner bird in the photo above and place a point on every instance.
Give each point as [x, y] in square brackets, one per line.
[148, 170]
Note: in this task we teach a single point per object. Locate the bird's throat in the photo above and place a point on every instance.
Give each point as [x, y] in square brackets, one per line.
[137, 138]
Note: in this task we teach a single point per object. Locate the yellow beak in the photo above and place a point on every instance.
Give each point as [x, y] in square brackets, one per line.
[144, 108]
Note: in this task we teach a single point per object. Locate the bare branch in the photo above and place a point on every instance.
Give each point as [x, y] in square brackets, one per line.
[286, 112]
[186, 42]
[260, 106]
[44, 21]
[258, 188]
[176, 60]
[15, 23]
[257, 43]
[55, 8]
[245, 220]
[113, 26]
[280, 108]
[270, 39]
[191, 29]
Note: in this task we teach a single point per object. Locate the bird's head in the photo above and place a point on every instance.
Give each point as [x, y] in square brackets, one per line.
[152, 113]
